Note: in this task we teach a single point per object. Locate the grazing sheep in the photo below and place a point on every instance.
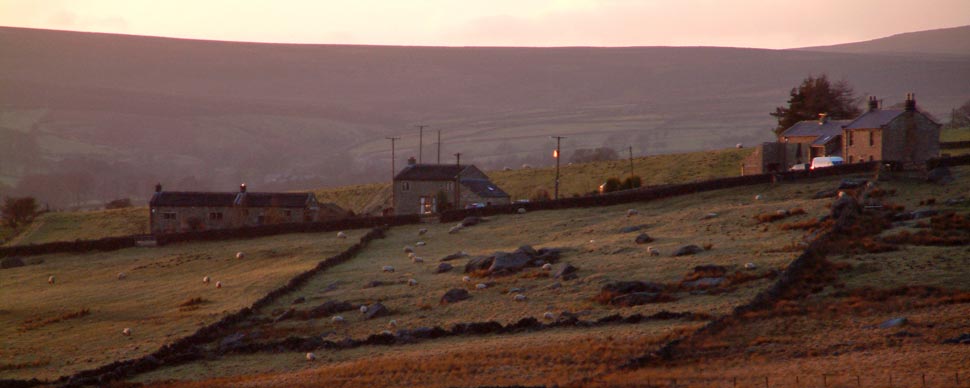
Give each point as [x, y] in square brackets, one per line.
[392, 324]
[363, 309]
[759, 197]
[122, 276]
[422, 231]
[547, 267]
[412, 255]
[653, 251]
[218, 284]
[750, 266]
[387, 332]
[310, 356]
[521, 210]
[526, 166]
[341, 235]
[50, 280]
[408, 249]
[466, 279]
[548, 315]
[126, 332]
[841, 194]
[519, 298]
[420, 243]
[337, 320]
[481, 286]
[206, 280]
[412, 282]
[417, 260]
[632, 212]
[240, 255]
[739, 145]
[454, 229]
[387, 268]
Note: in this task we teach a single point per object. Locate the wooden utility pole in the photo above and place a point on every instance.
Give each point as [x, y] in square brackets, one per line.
[458, 181]
[439, 146]
[631, 161]
[557, 155]
[393, 168]
[420, 141]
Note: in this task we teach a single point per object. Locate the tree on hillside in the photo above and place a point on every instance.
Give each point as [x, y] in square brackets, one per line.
[960, 117]
[817, 95]
[586, 155]
[18, 211]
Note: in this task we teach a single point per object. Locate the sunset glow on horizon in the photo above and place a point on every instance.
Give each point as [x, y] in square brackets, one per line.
[745, 23]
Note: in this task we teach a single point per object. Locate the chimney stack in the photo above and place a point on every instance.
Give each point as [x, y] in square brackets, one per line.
[242, 188]
[412, 161]
[158, 187]
[823, 118]
[873, 103]
[910, 102]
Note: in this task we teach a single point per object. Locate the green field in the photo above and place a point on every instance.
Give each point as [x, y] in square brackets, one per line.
[83, 225]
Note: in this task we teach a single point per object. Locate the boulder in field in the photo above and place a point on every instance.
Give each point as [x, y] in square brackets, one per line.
[455, 295]
[643, 238]
[688, 250]
[443, 267]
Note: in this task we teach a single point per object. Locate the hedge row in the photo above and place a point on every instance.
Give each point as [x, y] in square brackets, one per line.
[116, 243]
[654, 193]
[189, 348]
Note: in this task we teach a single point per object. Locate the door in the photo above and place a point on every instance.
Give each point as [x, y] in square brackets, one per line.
[428, 205]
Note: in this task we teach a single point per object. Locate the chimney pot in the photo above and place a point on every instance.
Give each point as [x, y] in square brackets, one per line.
[158, 187]
[823, 118]
[412, 161]
[873, 103]
[242, 188]
[910, 102]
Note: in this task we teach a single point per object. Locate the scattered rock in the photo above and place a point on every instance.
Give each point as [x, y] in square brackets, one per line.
[479, 263]
[632, 212]
[329, 308]
[895, 322]
[420, 243]
[454, 256]
[759, 197]
[376, 310]
[519, 298]
[521, 210]
[688, 250]
[905, 334]
[481, 286]
[471, 221]
[962, 339]
[285, 315]
[940, 175]
[955, 201]
[709, 216]
[638, 298]
[299, 300]
[408, 249]
[555, 286]
[643, 238]
[374, 283]
[11, 262]
[923, 213]
[566, 272]
[511, 262]
[627, 287]
[547, 267]
[443, 267]
[631, 229]
[852, 184]
[750, 266]
[826, 194]
[704, 282]
[231, 342]
[455, 295]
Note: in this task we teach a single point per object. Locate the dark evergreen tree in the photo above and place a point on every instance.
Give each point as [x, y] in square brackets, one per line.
[18, 211]
[817, 95]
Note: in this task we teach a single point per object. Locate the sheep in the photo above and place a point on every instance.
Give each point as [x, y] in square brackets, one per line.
[420, 243]
[408, 249]
[337, 320]
[50, 280]
[632, 212]
[392, 324]
[750, 266]
[341, 235]
[218, 284]
[363, 309]
[126, 332]
[417, 260]
[519, 298]
[759, 197]
[240, 255]
[521, 210]
[454, 229]
[387, 332]
[547, 267]
[481, 286]
[739, 145]
[466, 279]
[412, 282]
[206, 280]
[412, 255]
[422, 231]
[310, 356]
[387, 268]
[548, 315]
[122, 276]
[653, 251]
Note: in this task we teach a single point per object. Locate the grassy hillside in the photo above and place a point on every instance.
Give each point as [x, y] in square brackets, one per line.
[83, 225]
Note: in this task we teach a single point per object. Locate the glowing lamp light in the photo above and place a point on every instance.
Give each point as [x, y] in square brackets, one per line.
[555, 154]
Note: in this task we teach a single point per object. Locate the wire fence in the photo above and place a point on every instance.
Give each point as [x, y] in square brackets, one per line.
[877, 379]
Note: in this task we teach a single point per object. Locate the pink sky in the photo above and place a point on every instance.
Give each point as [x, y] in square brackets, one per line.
[739, 23]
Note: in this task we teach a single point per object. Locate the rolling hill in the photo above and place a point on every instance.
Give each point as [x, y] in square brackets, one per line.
[87, 117]
[948, 41]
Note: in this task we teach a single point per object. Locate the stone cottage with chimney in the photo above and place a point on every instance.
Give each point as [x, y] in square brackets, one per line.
[904, 137]
[418, 187]
[186, 211]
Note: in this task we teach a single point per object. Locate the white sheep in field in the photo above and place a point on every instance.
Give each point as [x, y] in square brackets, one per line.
[759, 197]
[311, 356]
[481, 286]
[548, 315]
[417, 260]
[126, 332]
[50, 280]
[547, 267]
[454, 229]
[337, 320]
[422, 231]
[387, 268]
[750, 266]
[218, 284]
[341, 235]
[122, 276]
[653, 251]
[206, 280]
[632, 212]
[386, 332]
[392, 324]
[412, 255]
[519, 298]
[240, 255]
[521, 210]
[363, 309]
[466, 279]
[412, 282]
[420, 243]
[408, 249]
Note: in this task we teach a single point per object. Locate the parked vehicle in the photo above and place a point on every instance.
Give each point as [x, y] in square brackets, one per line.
[799, 167]
[826, 161]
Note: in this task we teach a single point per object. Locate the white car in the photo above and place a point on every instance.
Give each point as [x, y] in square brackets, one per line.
[826, 161]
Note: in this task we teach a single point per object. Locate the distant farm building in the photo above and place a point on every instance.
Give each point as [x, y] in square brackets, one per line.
[419, 188]
[905, 137]
[186, 211]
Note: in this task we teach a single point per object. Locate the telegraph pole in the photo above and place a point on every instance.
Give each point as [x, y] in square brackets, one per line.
[458, 181]
[557, 155]
[393, 169]
[631, 161]
[439, 146]
[458, 159]
[420, 141]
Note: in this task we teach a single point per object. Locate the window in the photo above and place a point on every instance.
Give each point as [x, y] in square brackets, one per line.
[405, 186]
[872, 140]
[850, 156]
[450, 186]
[168, 216]
[850, 142]
[215, 216]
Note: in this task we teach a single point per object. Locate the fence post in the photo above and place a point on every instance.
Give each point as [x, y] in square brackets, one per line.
[858, 381]
[890, 380]
[766, 381]
[797, 383]
[924, 379]
[735, 381]
[825, 380]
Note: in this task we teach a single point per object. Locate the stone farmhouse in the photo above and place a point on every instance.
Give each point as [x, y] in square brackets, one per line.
[904, 137]
[186, 211]
[417, 188]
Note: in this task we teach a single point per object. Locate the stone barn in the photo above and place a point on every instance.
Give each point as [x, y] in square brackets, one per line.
[418, 188]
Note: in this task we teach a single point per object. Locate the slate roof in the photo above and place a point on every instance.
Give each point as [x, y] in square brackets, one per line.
[208, 199]
[430, 172]
[484, 188]
[813, 128]
[875, 118]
